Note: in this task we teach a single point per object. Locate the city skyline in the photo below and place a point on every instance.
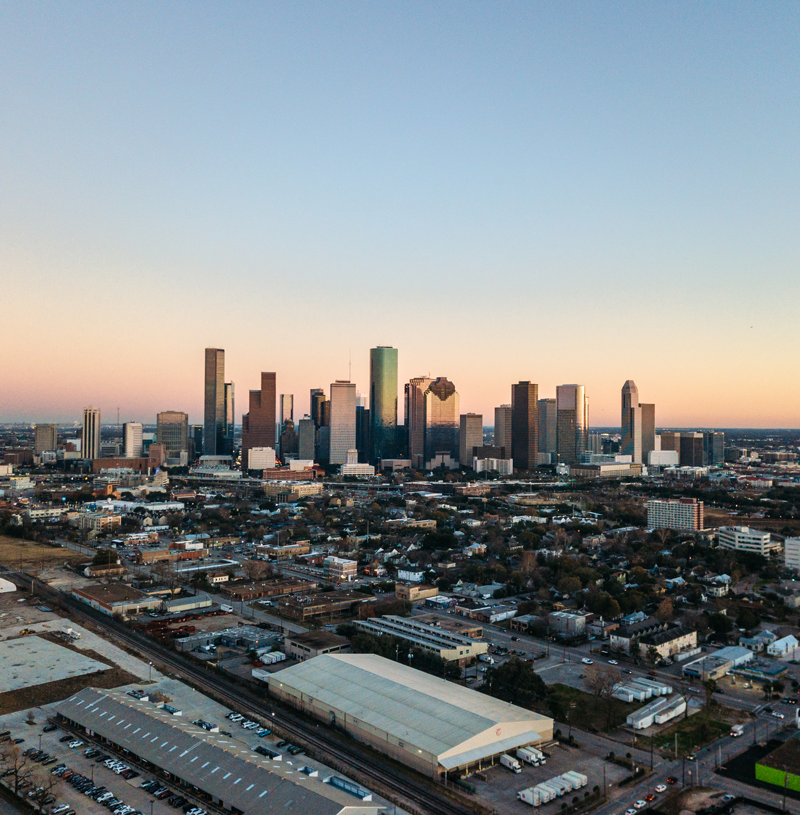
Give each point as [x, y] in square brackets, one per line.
[629, 171]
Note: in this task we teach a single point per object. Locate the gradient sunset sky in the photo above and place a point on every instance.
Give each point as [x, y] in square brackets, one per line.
[555, 192]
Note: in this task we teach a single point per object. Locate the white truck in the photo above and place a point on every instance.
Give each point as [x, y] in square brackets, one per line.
[737, 730]
[530, 796]
[486, 658]
[579, 779]
[556, 789]
[510, 763]
[546, 792]
[528, 756]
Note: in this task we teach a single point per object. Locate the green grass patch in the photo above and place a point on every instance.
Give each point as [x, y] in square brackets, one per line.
[693, 733]
[585, 711]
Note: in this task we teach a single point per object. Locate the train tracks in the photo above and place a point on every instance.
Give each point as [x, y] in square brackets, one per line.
[415, 793]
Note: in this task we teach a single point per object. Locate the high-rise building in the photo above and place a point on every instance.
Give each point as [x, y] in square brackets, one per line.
[90, 437]
[196, 436]
[631, 425]
[502, 427]
[362, 429]
[681, 513]
[315, 411]
[691, 450]
[306, 437]
[132, 435]
[382, 402]
[547, 426]
[572, 423]
[441, 406]
[648, 430]
[258, 425]
[172, 432]
[286, 410]
[525, 425]
[229, 420]
[214, 403]
[470, 436]
[45, 438]
[713, 448]
[289, 441]
[342, 421]
[415, 419]
[671, 440]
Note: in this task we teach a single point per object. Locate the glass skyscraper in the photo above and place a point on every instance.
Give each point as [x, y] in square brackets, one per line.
[415, 419]
[441, 419]
[382, 403]
[214, 403]
[572, 422]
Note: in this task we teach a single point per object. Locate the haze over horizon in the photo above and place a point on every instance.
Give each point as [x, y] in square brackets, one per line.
[567, 193]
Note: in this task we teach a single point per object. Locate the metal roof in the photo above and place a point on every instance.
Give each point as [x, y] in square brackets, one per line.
[431, 714]
[212, 762]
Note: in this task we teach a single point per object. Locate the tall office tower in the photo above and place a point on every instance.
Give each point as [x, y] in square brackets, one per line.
[502, 427]
[343, 421]
[441, 406]
[229, 420]
[172, 431]
[90, 437]
[547, 426]
[197, 439]
[258, 426]
[362, 429]
[382, 402]
[286, 409]
[648, 430]
[315, 411]
[713, 448]
[214, 405]
[45, 438]
[691, 450]
[470, 436]
[289, 441]
[671, 440]
[415, 419]
[525, 425]
[572, 422]
[132, 439]
[631, 424]
[306, 438]
[325, 413]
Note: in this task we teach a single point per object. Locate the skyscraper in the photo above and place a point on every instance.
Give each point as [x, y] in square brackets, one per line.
[631, 423]
[172, 431]
[713, 448]
[229, 420]
[214, 404]
[45, 438]
[547, 426]
[286, 410]
[470, 436]
[306, 437]
[317, 398]
[572, 422]
[525, 425]
[441, 405]
[90, 437]
[415, 419]
[648, 430]
[502, 427]
[258, 426]
[382, 402]
[132, 439]
[343, 421]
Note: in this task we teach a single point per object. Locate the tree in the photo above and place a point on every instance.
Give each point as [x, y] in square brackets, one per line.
[652, 655]
[568, 585]
[254, 569]
[18, 766]
[710, 688]
[601, 681]
[665, 610]
[747, 619]
[515, 681]
[720, 623]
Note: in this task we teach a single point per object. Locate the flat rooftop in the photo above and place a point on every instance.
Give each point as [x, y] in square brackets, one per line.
[786, 757]
[113, 593]
[30, 661]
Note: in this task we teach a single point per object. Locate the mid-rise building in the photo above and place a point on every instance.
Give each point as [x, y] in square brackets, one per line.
[791, 553]
[382, 403]
[214, 403]
[258, 425]
[713, 448]
[415, 419]
[441, 421]
[340, 570]
[525, 425]
[470, 436]
[261, 458]
[572, 422]
[90, 436]
[691, 449]
[45, 438]
[352, 467]
[343, 421]
[132, 434]
[502, 427]
[745, 539]
[680, 513]
[172, 431]
[648, 430]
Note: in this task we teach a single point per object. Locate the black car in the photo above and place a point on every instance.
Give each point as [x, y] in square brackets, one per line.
[65, 739]
[49, 728]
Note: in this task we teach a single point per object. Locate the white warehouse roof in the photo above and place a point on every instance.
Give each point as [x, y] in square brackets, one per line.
[456, 724]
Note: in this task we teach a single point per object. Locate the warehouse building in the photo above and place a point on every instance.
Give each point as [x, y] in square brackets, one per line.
[116, 599]
[430, 724]
[208, 765]
[445, 644]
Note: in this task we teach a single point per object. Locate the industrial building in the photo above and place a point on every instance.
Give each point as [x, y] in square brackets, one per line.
[209, 766]
[445, 644]
[657, 712]
[427, 723]
[115, 598]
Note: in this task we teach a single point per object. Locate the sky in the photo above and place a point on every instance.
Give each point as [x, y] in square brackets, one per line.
[555, 192]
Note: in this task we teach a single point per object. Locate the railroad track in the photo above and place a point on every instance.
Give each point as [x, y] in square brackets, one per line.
[418, 794]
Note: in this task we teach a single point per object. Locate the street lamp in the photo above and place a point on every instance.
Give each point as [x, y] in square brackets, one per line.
[150, 672]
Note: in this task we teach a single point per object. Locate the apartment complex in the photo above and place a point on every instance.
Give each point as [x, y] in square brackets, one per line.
[681, 513]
